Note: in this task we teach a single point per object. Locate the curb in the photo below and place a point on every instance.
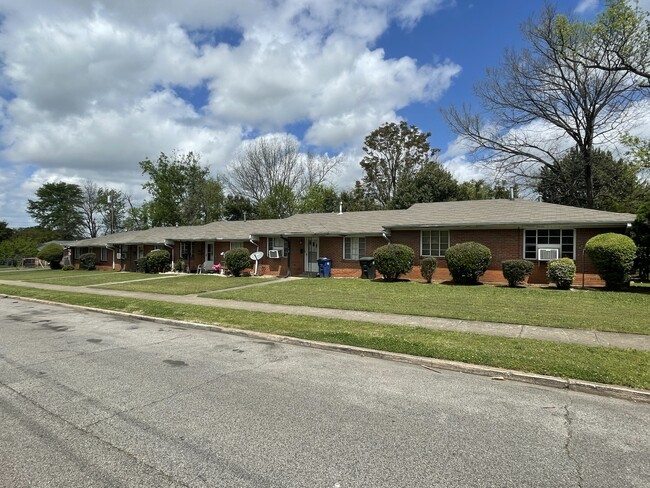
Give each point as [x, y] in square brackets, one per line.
[602, 389]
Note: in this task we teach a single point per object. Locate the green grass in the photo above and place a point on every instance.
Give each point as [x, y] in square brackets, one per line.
[546, 307]
[73, 278]
[187, 284]
[604, 365]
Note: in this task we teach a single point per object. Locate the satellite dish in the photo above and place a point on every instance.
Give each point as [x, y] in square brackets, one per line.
[256, 256]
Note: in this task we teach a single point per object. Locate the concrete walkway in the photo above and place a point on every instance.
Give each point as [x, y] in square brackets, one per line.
[571, 336]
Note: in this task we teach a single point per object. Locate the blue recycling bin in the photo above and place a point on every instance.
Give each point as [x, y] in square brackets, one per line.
[324, 267]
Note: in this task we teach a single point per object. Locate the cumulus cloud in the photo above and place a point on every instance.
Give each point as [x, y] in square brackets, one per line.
[585, 6]
[91, 88]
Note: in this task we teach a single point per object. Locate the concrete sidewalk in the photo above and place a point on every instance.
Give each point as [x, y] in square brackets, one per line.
[570, 336]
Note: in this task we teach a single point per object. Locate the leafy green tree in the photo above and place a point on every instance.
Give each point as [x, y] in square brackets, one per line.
[205, 202]
[481, 190]
[356, 200]
[544, 85]
[113, 208]
[319, 199]
[53, 254]
[57, 207]
[279, 204]
[431, 183]
[37, 234]
[640, 233]
[616, 187]
[178, 186]
[238, 207]
[5, 231]
[18, 247]
[394, 155]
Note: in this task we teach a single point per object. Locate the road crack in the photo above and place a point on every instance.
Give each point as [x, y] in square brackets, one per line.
[568, 444]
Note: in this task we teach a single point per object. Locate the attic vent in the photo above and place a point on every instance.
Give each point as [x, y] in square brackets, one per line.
[274, 253]
[547, 254]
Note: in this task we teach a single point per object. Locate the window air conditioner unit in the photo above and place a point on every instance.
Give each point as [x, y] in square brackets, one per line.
[275, 253]
[547, 254]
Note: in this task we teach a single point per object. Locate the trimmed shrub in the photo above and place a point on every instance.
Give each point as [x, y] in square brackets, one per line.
[237, 260]
[516, 270]
[427, 268]
[87, 261]
[157, 261]
[468, 261]
[393, 260]
[179, 266]
[68, 267]
[561, 272]
[53, 254]
[613, 256]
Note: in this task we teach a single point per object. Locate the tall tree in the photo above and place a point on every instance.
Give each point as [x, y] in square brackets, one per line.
[541, 97]
[394, 153]
[237, 207]
[112, 205]
[431, 183]
[177, 185]
[482, 190]
[279, 204]
[319, 199]
[5, 231]
[620, 41]
[57, 207]
[90, 207]
[616, 186]
[356, 200]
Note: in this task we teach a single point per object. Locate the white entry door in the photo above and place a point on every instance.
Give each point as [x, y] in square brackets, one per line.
[311, 255]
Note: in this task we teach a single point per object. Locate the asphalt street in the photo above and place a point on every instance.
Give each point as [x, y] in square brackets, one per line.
[88, 399]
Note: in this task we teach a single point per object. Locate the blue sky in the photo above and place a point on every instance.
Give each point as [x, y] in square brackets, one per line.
[88, 89]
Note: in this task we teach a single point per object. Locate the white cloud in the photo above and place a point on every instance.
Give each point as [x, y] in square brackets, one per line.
[91, 88]
[586, 6]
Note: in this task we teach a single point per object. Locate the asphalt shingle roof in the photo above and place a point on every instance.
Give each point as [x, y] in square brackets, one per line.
[467, 214]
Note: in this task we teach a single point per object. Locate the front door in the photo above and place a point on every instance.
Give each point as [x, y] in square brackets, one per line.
[311, 256]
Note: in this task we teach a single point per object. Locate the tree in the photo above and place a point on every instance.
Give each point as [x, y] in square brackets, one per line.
[137, 217]
[58, 208]
[394, 154]
[640, 233]
[319, 199]
[616, 187]
[356, 200]
[620, 41]
[204, 203]
[90, 207]
[279, 204]
[431, 183]
[481, 190]
[178, 187]
[18, 247]
[5, 231]
[112, 206]
[237, 207]
[540, 97]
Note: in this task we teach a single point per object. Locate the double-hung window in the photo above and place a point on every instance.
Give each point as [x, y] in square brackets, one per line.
[103, 254]
[354, 247]
[561, 239]
[236, 244]
[434, 242]
[278, 244]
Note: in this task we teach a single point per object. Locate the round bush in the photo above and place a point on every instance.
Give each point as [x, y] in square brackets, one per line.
[53, 254]
[393, 260]
[237, 260]
[468, 261]
[157, 261]
[427, 268]
[561, 272]
[613, 256]
[179, 266]
[87, 261]
[516, 270]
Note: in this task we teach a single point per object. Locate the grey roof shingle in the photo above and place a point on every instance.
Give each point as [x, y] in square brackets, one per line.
[506, 213]
[458, 215]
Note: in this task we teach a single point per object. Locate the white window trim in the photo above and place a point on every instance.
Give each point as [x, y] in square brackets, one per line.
[439, 231]
[237, 244]
[353, 240]
[273, 240]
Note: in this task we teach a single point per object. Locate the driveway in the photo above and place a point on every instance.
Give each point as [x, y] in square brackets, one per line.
[88, 399]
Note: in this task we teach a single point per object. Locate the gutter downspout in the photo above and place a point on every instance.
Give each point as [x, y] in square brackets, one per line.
[385, 236]
[288, 256]
[108, 246]
[257, 248]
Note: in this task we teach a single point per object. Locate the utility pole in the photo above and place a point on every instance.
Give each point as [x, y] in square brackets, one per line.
[110, 202]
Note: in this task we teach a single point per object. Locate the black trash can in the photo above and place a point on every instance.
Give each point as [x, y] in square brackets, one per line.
[324, 267]
[367, 268]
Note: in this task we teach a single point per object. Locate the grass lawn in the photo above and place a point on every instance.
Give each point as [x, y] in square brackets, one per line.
[548, 307]
[605, 365]
[187, 284]
[72, 278]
